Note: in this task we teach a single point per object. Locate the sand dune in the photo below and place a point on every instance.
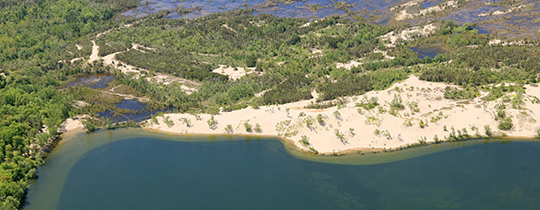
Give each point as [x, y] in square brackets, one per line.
[351, 128]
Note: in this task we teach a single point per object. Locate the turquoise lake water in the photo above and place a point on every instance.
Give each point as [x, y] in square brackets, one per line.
[137, 169]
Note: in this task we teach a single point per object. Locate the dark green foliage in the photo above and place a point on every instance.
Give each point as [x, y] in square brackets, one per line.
[498, 91]
[368, 104]
[171, 62]
[358, 84]
[459, 76]
[506, 124]
[397, 103]
[349, 86]
[295, 88]
[454, 93]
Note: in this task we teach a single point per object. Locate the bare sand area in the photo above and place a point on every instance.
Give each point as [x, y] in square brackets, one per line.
[73, 124]
[349, 127]
[234, 73]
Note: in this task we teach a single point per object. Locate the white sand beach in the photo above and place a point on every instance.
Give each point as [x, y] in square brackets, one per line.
[353, 128]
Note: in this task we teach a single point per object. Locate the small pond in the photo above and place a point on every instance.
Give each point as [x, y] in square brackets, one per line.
[424, 51]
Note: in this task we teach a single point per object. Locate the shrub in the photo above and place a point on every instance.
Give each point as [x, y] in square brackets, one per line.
[229, 128]
[320, 119]
[488, 130]
[258, 128]
[212, 123]
[368, 104]
[396, 103]
[248, 127]
[506, 124]
[168, 121]
[304, 141]
[340, 136]
[337, 115]
[186, 121]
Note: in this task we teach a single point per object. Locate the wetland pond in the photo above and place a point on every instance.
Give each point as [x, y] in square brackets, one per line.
[94, 81]
[136, 111]
[377, 12]
[140, 169]
[424, 51]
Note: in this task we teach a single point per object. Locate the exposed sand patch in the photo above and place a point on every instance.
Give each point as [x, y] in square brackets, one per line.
[404, 15]
[358, 62]
[227, 27]
[392, 38]
[80, 104]
[95, 53]
[309, 23]
[76, 59]
[232, 73]
[79, 47]
[72, 124]
[499, 12]
[370, 129]
[507, 43]
[405, 5]
[316, 53]
[350, 65]
[142, 48]
[187, 86]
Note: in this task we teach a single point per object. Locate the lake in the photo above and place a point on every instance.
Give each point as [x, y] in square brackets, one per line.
[139, 169]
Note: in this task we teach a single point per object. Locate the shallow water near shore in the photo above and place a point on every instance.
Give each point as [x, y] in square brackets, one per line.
[141, 169]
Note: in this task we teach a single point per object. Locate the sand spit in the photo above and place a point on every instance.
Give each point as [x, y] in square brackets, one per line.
[350, 128]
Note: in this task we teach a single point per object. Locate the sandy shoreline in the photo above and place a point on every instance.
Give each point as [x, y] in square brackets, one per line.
[371, 129]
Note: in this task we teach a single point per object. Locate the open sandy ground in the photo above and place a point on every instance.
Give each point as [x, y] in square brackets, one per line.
[368, 130]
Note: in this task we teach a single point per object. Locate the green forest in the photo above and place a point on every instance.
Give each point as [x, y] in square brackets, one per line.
[38, 38]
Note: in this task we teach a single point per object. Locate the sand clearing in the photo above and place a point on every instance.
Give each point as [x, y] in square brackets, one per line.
[392, 38]
[72, 124]
[404, 15]
[234, 73]
[369, 130]
[350, 65]
[95, 53]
